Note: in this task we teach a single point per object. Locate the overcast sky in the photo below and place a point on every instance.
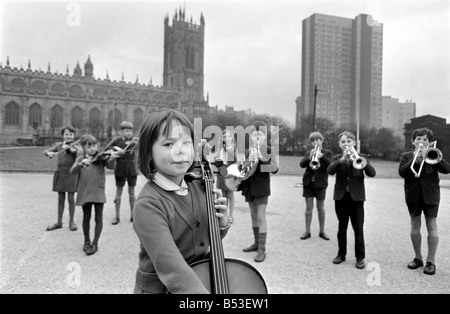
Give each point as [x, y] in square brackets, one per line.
[252, 48]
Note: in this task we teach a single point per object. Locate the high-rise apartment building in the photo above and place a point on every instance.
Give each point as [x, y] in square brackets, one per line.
[395, 114]
[343, 58]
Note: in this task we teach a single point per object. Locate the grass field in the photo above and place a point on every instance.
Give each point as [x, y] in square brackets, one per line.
[32, 159]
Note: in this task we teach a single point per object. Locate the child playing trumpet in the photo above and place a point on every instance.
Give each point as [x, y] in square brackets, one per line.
[350, 195]
[315, 183]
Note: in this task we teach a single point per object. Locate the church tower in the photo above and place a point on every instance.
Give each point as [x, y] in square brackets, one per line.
[184, 56]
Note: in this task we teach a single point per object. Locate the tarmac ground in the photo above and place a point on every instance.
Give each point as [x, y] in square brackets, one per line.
[34, 261]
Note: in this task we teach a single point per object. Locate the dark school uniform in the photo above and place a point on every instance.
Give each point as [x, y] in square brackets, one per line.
[63, 180]
[315, 182]
[423, 193]
[173, 232]
[349, 196]
[258, 185]
[125, 168]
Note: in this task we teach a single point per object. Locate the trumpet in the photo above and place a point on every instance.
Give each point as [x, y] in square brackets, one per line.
[359, 162]
[236, 174]
[431, 155]
[314, 164]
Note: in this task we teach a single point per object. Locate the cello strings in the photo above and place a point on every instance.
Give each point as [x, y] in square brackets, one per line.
[218, 259]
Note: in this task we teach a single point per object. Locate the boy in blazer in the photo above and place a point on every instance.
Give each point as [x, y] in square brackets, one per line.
[349, 197]
[422, 194]
[315, 183]
[125, 170]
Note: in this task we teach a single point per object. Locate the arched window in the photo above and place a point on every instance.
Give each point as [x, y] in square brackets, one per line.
[12, 114]
[58, 88]
[99, 91]
[56, 119]
[116, 116]
[18, 83]
[114, 93]
[76, 91]
[35, 116]
[95, 122]
[143, 97]
[77, 117]
[190, 57]
[138, 118]
[38, 85]
[130, 95]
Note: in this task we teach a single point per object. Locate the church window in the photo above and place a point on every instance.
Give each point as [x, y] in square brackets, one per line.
[35, 116]
[18, 83]
[12, 114]
[56, 119]
[116, 117]
[77, 117]
[138, 118]
[38, 85]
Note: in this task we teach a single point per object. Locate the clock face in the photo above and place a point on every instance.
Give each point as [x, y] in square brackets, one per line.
[190, 81]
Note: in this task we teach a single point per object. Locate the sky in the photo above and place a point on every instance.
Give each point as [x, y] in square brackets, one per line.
[252, 47]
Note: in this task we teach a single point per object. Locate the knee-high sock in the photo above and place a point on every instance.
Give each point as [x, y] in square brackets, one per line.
[416, 239]
[322, 220]
[262, 242]
[432, 248]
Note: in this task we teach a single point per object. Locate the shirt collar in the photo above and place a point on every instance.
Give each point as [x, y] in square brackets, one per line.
[169, 186]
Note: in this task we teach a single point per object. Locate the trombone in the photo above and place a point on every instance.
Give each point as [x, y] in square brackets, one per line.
[314, 164]
[359, 162]
[431, 156]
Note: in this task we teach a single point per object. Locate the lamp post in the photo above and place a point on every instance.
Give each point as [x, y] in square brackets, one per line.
[315, 105]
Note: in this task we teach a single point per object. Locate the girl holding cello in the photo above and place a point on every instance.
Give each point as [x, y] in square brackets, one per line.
[170, 217]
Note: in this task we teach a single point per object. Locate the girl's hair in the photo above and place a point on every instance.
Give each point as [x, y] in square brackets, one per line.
[348, 134]
[69, 128]
[422, 132]
[149, 133]
[88, 139]
[315, 135]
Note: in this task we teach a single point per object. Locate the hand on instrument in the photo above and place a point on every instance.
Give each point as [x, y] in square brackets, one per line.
[222, 208]
[50, 154]
[85, 162]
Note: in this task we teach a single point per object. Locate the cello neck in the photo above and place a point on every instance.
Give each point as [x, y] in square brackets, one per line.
[219, 276]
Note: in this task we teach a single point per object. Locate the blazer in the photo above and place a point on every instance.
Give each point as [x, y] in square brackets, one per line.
[320, 175]
[258, 185]
[125, 163]
[347, 176]
[427, 185]
[172, 236]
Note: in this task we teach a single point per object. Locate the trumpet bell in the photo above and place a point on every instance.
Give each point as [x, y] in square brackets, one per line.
[360, 163]
[314, 165]
[433, 156]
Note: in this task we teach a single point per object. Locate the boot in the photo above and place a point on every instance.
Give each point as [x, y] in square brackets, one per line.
[261, 255]
[254, 246]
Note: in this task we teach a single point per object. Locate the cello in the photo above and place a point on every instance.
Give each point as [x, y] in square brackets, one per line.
[222, 275]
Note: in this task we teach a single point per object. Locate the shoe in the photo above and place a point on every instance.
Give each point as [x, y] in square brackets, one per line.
[339, 259]
[360, 264]
[430, 269]
[54, 227]
[260, 257]
[92, 249]
[324, 236]
[73, 227]
[416, 263]
[251, 248]
[86, 246]
[305, 236]
[116, 220]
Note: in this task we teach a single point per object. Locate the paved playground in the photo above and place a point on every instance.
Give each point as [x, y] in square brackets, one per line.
[35, 261]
